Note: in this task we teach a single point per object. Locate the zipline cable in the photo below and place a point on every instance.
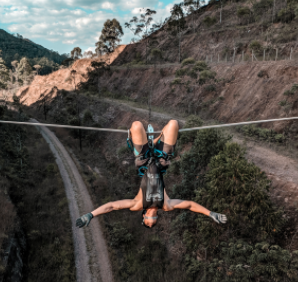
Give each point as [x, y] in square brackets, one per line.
[125, 131]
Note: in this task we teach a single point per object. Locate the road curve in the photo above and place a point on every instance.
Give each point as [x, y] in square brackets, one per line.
[80, 203]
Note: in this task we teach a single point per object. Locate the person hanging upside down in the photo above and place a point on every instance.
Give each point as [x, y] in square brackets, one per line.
[152, 162]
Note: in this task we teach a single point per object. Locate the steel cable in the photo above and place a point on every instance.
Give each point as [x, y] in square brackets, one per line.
[125, 131]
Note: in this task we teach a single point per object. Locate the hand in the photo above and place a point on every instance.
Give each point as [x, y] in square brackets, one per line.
[84, 220]
[217, 217]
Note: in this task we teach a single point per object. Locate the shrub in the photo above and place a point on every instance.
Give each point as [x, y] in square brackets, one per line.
[188, 61]
[71, 110]
[200, 66]
[193, 74]
[176, 81]
[207, 74]
[88, 116]
[237, 260]
[294, 88]
[156, 53]
[286, 15]
[261, 7]
[243, 11]
[210, 88]
[181, 72]
[209, 21]
[256, 46]
[51, 169]
[192, 121]
[283, 103]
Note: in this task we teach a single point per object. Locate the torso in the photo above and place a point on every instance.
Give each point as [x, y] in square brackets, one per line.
[139, 202]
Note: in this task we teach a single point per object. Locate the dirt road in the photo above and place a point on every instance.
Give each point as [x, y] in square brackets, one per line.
[91, 254]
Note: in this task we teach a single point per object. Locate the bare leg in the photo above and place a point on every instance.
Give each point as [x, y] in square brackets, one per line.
[138, 135]
[169, 136]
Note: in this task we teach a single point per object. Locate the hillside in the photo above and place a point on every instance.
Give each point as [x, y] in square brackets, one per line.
[15, 48]
[230, 71]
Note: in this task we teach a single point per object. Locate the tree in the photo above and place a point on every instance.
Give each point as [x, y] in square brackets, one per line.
[88, 54]
[190, 8]
[4, 73]
[44, 104]
[140, 26]
[110, 36]
[177, 23]
[37, 67]
[24, 67]
[76, 53]
[238, 189]
[101, 48]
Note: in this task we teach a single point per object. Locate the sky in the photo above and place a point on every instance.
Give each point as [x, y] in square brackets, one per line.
[62, 25]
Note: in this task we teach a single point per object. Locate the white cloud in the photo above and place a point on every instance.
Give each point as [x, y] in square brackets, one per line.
[72, 21]
[108, 6]
[70, 34]
[69, 41]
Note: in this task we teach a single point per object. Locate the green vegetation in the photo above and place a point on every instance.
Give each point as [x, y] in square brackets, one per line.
[201, 66]
[156, 54]
[181, 72]
[206, 75]
[188, 61]
[243, 11]
[210, 88]
[176, 81]
[29, 175]
[25, 48]
[262, 133]
[256, 46]
[209, 21]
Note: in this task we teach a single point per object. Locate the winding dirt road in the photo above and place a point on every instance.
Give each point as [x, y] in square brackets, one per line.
[91, 254]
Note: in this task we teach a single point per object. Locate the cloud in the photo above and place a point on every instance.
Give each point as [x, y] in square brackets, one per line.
[72, 22]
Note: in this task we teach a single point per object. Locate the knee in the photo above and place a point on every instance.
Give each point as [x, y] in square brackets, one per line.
[173, 124]
[136, 125]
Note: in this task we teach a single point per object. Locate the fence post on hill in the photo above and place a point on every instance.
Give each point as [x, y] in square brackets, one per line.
[235, 48]
[264, 54]
[252, 55]
[218, 58]
[276, 56]
[291, 54]
[242, 56]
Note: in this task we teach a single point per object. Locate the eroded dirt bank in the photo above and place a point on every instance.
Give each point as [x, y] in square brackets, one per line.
[240, 93]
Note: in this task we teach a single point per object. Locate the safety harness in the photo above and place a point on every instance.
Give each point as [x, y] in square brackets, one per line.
[152, 154]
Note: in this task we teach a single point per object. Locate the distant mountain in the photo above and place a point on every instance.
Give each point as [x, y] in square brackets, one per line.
[15, 48]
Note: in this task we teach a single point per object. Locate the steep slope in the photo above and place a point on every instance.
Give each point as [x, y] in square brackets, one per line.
[14, 48]
[62, 79]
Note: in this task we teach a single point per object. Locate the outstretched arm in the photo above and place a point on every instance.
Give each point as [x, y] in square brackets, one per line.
[108, 207]
[113, 206]
[195, 207]
[188, 205]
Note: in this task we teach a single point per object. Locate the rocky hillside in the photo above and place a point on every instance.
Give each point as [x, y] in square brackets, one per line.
[15, 48]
